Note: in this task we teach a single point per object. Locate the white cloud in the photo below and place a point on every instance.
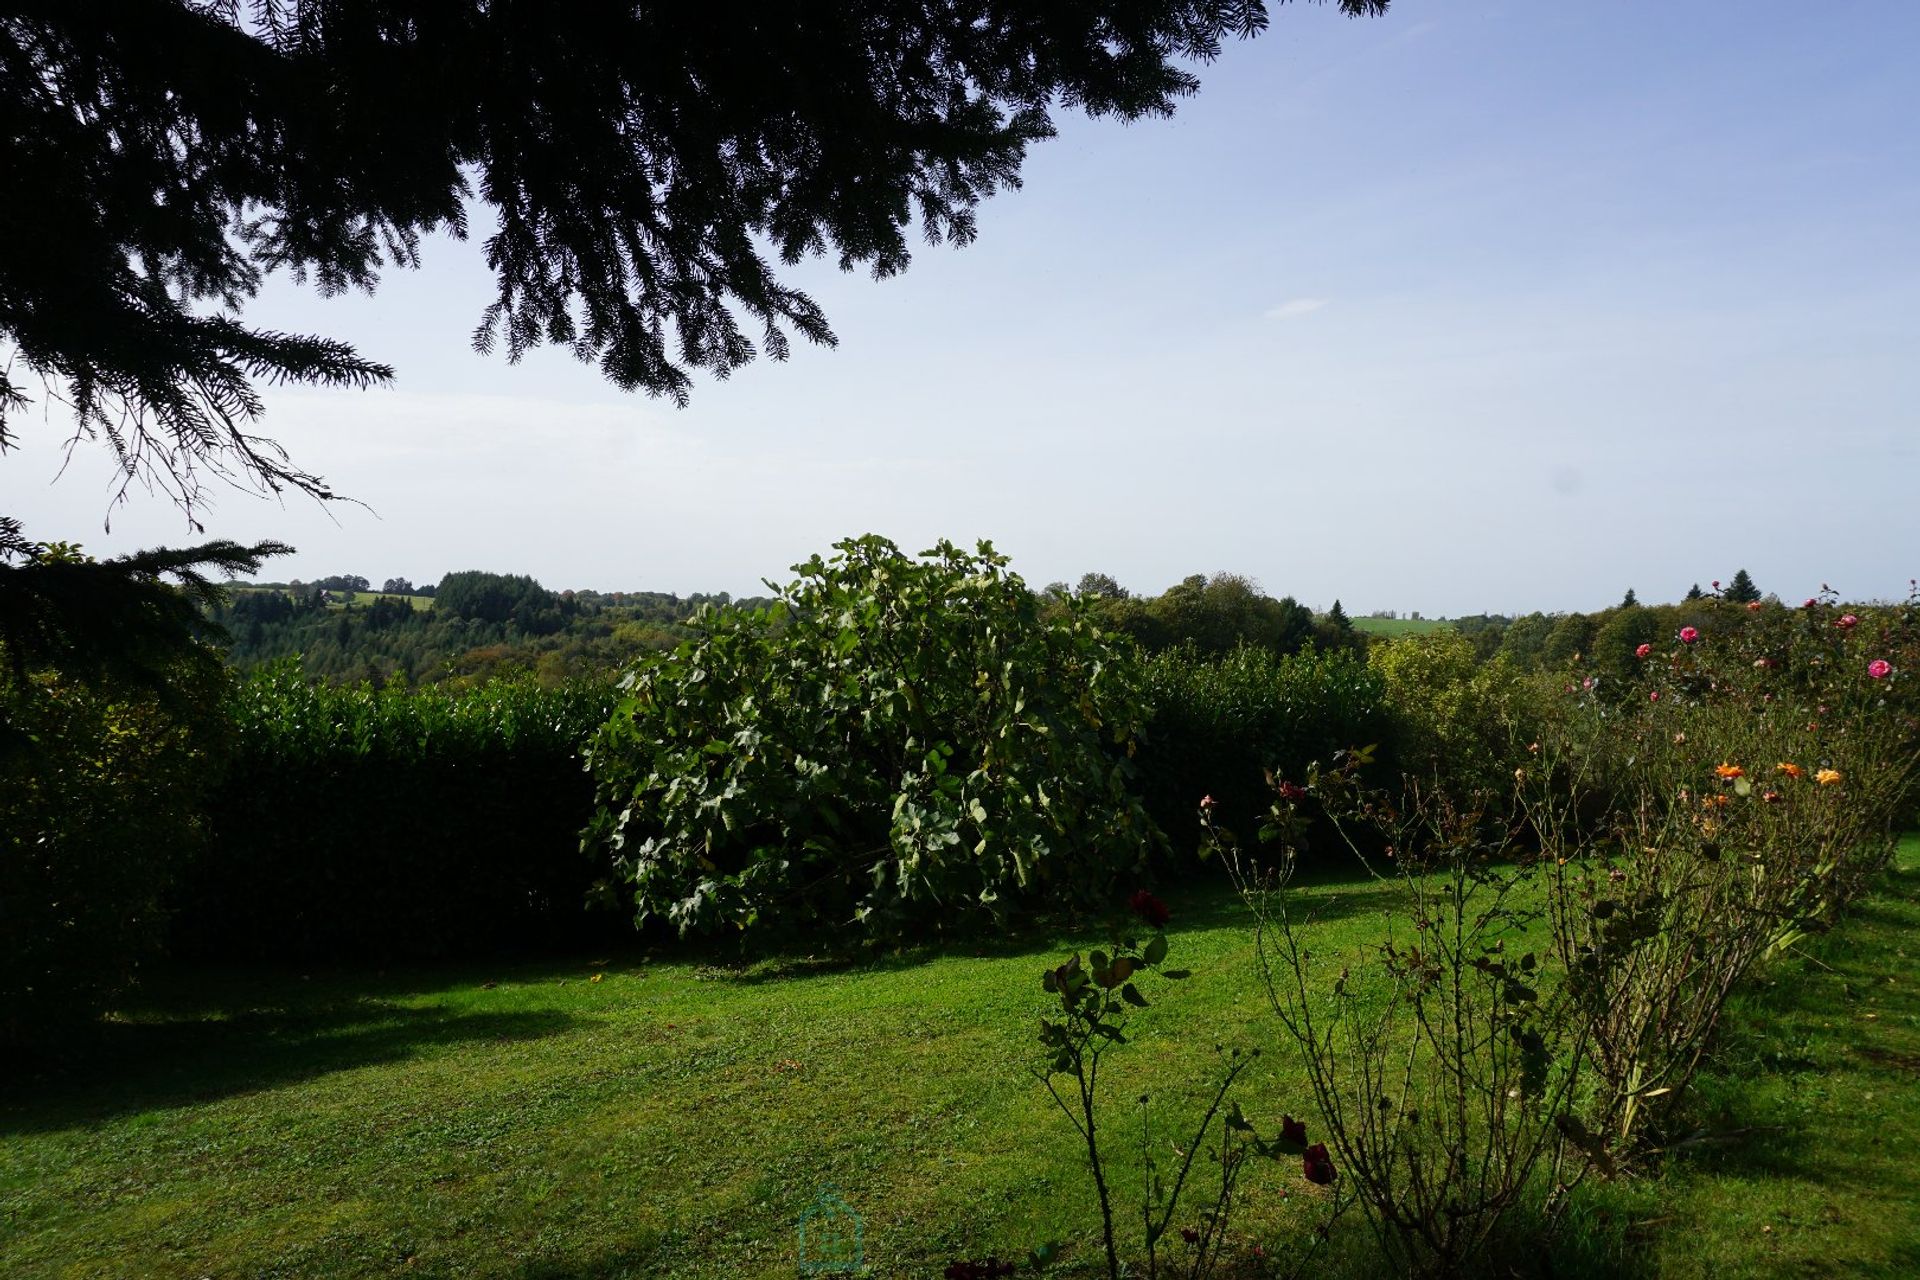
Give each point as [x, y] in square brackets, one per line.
[1296, 307]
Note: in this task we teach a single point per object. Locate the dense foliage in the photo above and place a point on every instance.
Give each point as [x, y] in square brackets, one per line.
[644, 164]
[109, 738]
[372, 824]
[902, 742]
[1213, 615]
[489, 626]
[1456, 721]
[1220, 726]
[101, 793]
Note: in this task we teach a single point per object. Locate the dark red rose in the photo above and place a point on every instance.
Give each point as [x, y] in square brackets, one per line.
[1292, 792]
[1190, 1235]
[1317, 1165]
[1292, 1130]
[1149, 908]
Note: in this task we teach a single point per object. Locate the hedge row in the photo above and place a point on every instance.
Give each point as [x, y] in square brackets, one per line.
[384, 824]
[355, 824]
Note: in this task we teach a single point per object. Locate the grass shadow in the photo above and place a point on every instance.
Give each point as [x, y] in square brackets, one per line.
[1205, 903]
[161, 1063]
[1803, 1057]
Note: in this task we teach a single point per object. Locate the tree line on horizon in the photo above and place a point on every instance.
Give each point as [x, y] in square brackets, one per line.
[486, 625]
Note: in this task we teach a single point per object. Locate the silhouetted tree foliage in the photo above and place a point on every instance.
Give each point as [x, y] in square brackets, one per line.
[1694, 592]
[1103, 585]
[499, 597]
[641, 167]
[342, 582]
[1629, 600]
[1215, 615]
[1741, 590]
[130, 620]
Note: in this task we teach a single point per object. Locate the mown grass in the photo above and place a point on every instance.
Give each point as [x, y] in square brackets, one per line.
[1803, 1158]
[675, 1118]
[361, 599]
[1400, 626]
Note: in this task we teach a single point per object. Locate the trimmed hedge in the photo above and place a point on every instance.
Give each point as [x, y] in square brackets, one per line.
[384, 824]
[1220, 724]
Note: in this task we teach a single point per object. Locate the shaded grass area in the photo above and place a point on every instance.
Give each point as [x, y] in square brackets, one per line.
[675, 1118]
[672, 1118]
[1805, 1156]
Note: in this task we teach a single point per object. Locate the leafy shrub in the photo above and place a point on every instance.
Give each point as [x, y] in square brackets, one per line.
[1219, 726]
[99, 805]
[357, 823]
[896, 741]
[1454, 718]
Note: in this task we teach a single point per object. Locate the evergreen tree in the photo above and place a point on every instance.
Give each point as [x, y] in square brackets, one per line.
[132, 620]
[1338, 617]
[1631, 600]
[1695, 593]
[646, 165]
[1741, 590]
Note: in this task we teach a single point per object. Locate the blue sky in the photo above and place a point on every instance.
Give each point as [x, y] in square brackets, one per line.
[1492, 306]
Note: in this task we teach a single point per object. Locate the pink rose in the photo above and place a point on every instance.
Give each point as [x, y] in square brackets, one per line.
[1654, 696]
[1847, 622]
[1643, 651]
[1879, 668]
[1689, 634]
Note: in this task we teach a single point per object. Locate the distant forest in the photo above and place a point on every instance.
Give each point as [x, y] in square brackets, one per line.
[468, 628]
[475, 626]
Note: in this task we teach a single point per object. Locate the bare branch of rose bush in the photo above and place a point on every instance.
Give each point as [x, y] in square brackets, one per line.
[1554, 982]
[1736, 800]
[1444, 1067]
[1098, 998]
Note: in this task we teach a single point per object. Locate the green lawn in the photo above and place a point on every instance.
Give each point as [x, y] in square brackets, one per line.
[361, 599]
[674, 1119]
[1400, 626]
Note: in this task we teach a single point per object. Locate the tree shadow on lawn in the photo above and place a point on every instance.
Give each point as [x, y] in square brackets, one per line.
[1842, 1017]
[199, 1033]
[1205, 903]
[127, 1067]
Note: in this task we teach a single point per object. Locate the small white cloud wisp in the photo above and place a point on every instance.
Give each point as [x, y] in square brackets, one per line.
[1295, 307]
